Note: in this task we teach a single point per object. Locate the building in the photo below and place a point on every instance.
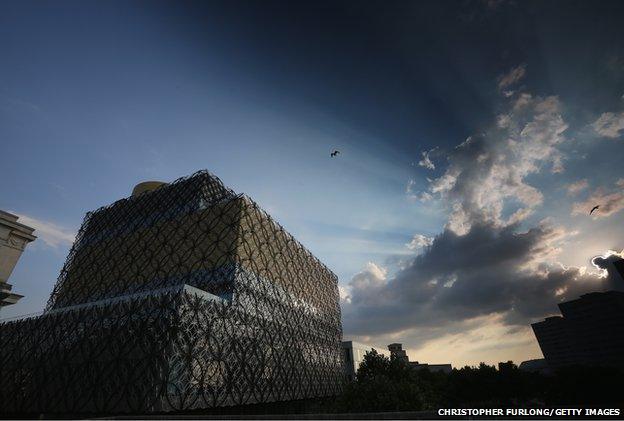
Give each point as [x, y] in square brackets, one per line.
[590, 331]
[14, 237]
[445, 368]
[556, 341]
[619, 269]
[183, 296]
[539, 365]
[353, 356]
[397, 352]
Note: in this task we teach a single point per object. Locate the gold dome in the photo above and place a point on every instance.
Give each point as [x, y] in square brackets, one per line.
[146, 186]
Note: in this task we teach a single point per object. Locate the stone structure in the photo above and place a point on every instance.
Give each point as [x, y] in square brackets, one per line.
[13, 240]
[183, 296]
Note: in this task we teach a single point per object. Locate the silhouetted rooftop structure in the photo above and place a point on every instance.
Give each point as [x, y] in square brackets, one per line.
[397, 351]
[589, 332]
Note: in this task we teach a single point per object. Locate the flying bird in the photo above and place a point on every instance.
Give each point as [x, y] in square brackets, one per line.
[593, 209]
[334, 153]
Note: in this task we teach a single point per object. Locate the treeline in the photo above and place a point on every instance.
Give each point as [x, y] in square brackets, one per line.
[385, 384]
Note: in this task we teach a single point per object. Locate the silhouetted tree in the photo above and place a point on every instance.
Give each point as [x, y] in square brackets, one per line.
[382, 384]
[388, 384]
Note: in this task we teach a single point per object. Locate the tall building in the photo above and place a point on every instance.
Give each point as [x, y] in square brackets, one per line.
[353, 356]
[182, 296]
[14, 237]
[556, 341]
[397, 351]
[589, 332]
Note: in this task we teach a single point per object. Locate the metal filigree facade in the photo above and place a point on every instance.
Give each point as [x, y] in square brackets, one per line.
[186, 297]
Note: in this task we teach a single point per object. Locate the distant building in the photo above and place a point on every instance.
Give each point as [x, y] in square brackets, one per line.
[354, 355]
[535, 366]
[397, 351]
[446, 368]
[619, 267]
[589, 332]
[14, 237]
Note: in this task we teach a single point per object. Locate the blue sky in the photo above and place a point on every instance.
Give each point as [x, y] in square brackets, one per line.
[95, 97]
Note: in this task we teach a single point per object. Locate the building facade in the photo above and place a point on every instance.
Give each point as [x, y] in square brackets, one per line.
[14, 236]
[183, 296]
[589, 332]
[556, 341]
[353, 356]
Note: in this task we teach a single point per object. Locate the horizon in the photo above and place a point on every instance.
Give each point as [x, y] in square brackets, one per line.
[474, 137]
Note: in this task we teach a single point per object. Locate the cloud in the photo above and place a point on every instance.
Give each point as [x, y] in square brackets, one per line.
[609, 124]
[371, 279]
[419, 241]
[409, 189]
[488, 271]
[345, 297]
[485, 181]
[609, 202]
[510, 78]
[412, 194]
[50, 233]
[577, 186]
[424, 196]
[426, 160]
[489, 265]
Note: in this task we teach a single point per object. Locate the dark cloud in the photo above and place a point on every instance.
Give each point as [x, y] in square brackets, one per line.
[489, 270]
[514, 76]
[610, 124]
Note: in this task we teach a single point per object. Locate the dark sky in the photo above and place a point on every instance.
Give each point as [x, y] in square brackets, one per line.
[399, 68]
